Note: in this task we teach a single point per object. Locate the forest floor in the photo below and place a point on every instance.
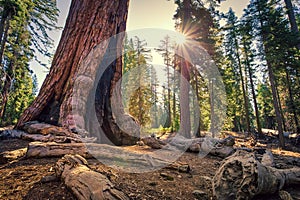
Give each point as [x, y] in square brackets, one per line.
[27, 178]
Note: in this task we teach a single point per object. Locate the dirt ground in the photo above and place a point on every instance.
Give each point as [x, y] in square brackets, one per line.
[27, 178]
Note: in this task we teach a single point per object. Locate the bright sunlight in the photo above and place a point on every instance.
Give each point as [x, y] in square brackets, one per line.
[180, 38]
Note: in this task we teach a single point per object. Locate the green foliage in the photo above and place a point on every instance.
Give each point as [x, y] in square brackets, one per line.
[264, 98]
[137, 90]
[23, 30]
[20, 97]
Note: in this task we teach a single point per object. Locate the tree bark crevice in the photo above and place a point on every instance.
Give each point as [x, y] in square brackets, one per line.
[90, 39]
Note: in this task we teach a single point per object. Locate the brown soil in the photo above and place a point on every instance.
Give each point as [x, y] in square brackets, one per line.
[24, 179]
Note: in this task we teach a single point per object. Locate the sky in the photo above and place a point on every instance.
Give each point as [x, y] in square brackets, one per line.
[155, 14]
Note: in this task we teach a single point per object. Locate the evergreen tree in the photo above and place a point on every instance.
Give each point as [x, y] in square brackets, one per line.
[270, 26]
[232, 49]
[248, 53]
[19, 22]
[166, 50]
[137, 84]
[195, 21]
[265, 105]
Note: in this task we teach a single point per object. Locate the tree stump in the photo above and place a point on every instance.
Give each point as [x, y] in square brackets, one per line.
[242, 176]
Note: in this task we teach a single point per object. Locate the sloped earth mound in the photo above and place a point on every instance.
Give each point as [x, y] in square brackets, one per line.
[33, 178]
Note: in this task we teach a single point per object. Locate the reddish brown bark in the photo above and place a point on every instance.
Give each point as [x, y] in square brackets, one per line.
[89, 23]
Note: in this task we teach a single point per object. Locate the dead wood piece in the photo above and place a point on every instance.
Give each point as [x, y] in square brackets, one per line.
[85, 183]
[222, 152]
[18, 134]
[117, 157]
[221, 148]
[57, 139]
[11, 134]
[46, 129]
[153, 142]
[8, 156]
[181, 167]
[53, 149]
[242, 176]
[268, 159]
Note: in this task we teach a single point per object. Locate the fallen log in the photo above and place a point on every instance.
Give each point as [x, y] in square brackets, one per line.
[85, 183]
[17, 134]
[153, 142]
[114, 156]
[35, 127]
[11, 134]
[53, 149]
[216, 147]
[242, 176]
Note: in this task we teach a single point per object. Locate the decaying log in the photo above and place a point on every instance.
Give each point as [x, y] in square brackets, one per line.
[242, 176]
[53, 149]
[216, 147]
[17, 134]
[35, 127]
[8, 156]
[85, 183]
[153, 142]
[11, 134]
[42, 132]
[118, 157]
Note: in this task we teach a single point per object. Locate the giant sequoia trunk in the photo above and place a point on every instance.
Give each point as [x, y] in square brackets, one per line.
[89, 25]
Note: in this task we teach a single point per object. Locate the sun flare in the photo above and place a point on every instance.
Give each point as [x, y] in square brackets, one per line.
[180, 39]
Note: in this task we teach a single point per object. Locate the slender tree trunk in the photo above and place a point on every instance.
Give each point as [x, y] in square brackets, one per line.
[3, 22]
[276, 105]
[168, 122]
[3, 39]
[292, 19]
[280, 108]
[272, 83]
[8, 81]
[253, 93]
[175, 72]
[212, 108]
[293, 107]
[185, 121]
[89, 23]
[246, 102]
[5, 91]
[198, 118]
[255, 101]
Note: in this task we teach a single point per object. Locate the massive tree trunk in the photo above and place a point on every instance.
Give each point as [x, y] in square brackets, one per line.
[89, 26]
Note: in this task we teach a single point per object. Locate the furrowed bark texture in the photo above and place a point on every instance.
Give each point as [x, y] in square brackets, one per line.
[76, 65]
